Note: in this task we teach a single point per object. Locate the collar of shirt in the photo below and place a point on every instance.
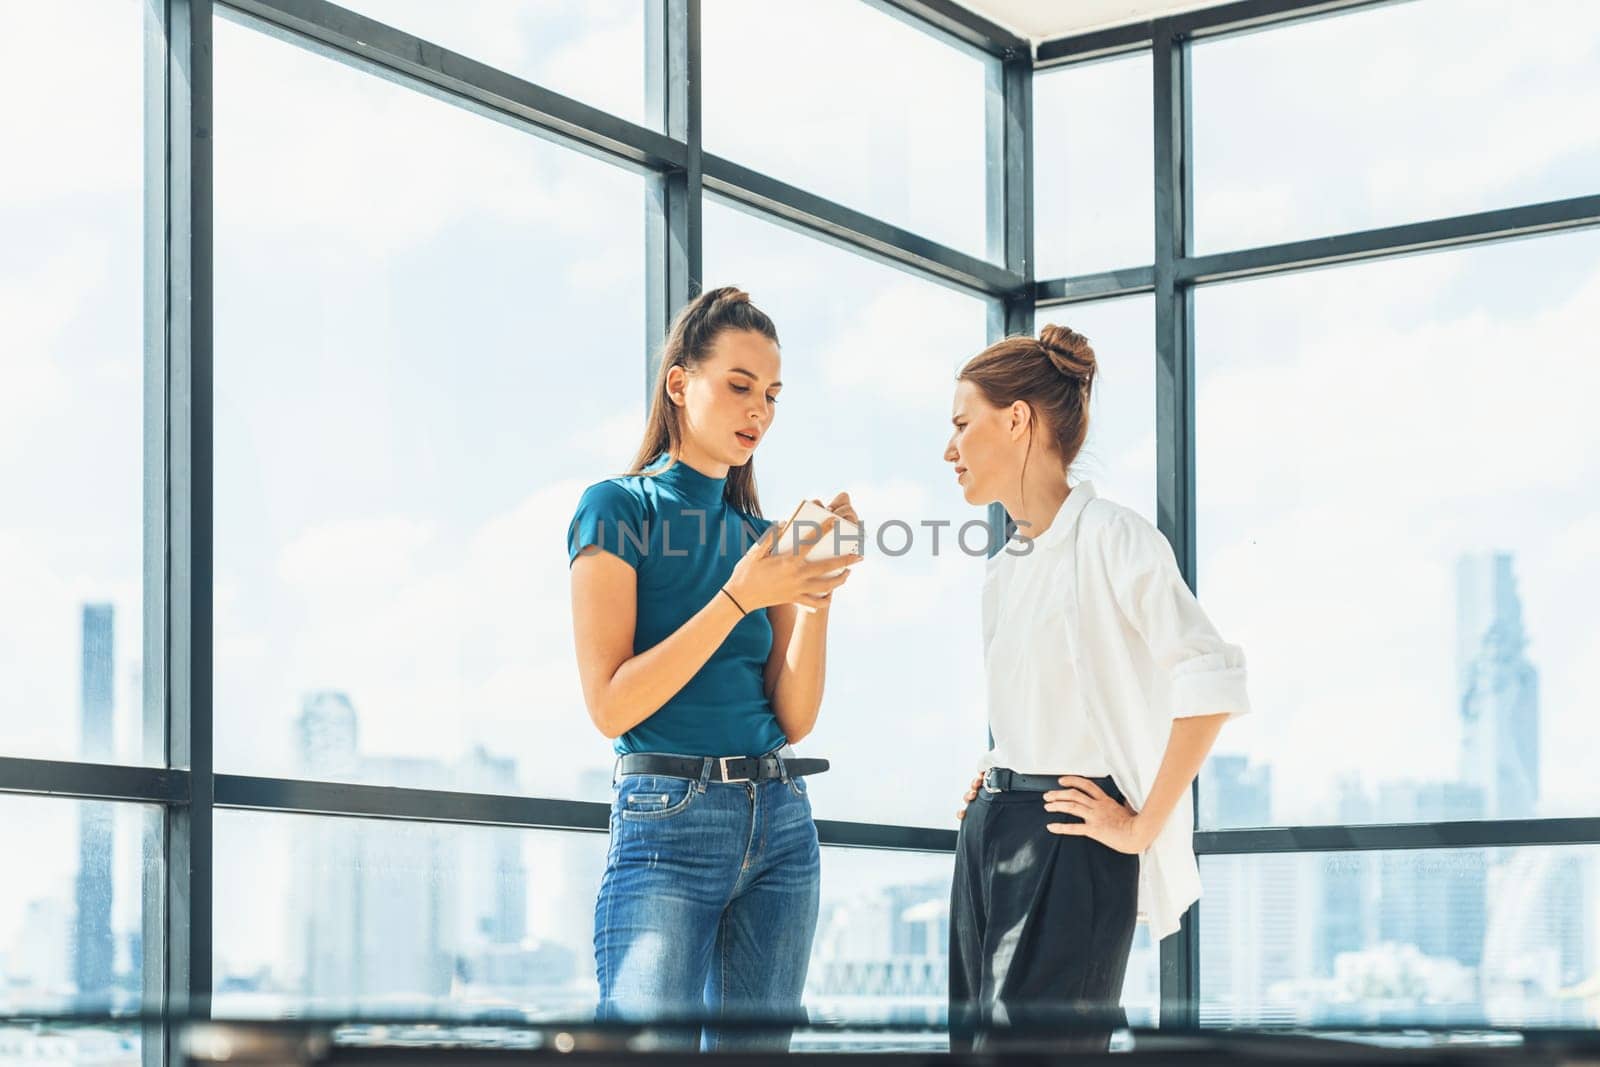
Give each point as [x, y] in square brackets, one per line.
[694, 487]
[1066, 516]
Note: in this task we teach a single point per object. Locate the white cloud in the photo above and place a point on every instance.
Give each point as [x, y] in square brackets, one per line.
[1391, 115]
[90, 137]
[898, 345]
[908, 149]
[336, 157]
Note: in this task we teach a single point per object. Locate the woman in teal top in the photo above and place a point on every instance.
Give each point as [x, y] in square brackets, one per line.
[697, 661]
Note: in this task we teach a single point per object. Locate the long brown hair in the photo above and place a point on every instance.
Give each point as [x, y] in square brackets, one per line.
[688, 343]
[1052, 373]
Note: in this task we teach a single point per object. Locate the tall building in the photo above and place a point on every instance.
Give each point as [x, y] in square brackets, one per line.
[1434, 900]
[1252, 905]
[376, 900]
[494, 880]
[1256, 937]
[883, 954]
[92, 944]
[1497, 688]
[1536, 943]
[327, 735]
[406, 915]
[1349, 889]
[1235, 792]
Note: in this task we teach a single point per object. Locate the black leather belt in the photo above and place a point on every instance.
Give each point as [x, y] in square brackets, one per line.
[721, 768]
[1004, 779]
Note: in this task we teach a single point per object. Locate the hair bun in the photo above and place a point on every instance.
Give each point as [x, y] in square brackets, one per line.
[1070, 351]
[727, 294]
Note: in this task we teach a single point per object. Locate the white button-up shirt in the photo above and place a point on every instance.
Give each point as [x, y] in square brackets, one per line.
[1037, 721]
[1111, 618]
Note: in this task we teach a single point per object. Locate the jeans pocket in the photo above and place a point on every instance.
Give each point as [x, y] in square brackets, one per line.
[654, 797]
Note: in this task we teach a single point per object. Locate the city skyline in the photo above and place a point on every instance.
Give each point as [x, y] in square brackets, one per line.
[1388, 922]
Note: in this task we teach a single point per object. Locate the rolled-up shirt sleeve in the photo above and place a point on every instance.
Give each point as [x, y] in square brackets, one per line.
[1206, 673]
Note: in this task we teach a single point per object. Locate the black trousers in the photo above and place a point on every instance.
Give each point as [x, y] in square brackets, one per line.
[1041, 925]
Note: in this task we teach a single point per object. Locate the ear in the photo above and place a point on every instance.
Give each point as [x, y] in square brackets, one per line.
[1021, 419]
[677, 381]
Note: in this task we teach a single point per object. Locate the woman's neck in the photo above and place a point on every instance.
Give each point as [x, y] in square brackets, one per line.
[691, 455]
[1038, 502]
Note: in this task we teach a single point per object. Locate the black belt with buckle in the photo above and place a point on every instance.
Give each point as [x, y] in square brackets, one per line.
[1006, 780]
[719, 768]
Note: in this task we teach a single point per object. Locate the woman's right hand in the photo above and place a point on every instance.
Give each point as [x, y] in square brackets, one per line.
[972, 794]
[762, 579]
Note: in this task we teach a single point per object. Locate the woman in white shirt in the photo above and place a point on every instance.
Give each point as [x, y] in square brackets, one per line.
[1107, 686]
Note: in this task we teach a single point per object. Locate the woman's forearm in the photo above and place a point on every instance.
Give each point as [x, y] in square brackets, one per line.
[647, 680]
[1187, 747]
[797, 694]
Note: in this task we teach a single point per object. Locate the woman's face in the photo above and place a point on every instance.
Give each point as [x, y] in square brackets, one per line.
[728, 402]
[983, 444]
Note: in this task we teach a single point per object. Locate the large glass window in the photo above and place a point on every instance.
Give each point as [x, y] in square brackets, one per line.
[882, 949]
[1394, 114]
[1396, 482]
[81, 883]
[1093, 167]
[72, 384]
[421, 360]
[1119, 455]
[591, 50]
[882, 952]
[855, 105]
[1504, 937]
[333, 915]
[868, 381]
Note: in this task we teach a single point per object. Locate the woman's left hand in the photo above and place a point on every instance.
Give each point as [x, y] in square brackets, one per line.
[1107, 821]
[840, 506]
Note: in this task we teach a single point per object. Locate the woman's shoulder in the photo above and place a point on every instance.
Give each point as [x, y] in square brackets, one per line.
[622, 495]
[1105, 512]
[1118, 530]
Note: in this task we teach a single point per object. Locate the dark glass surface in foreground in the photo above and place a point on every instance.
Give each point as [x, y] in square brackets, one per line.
[96, 1038]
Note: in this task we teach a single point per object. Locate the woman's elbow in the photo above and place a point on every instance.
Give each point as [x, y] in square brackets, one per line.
[607, 721]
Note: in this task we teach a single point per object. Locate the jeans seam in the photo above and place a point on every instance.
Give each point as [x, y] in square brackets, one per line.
[609, 888]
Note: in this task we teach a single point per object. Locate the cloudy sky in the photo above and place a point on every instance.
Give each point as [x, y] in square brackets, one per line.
[430, 337]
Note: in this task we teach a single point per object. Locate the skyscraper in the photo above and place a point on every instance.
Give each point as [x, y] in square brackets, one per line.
[1434, 900]
[93, 948]
[378, 900]
[1497, 688]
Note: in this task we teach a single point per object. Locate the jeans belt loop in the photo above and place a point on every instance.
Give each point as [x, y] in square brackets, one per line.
[705, 773]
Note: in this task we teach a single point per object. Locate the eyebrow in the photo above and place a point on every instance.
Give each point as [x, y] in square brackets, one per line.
[957, 418]
[747, 374]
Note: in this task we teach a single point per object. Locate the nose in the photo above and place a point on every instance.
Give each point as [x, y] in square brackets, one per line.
[950, 453]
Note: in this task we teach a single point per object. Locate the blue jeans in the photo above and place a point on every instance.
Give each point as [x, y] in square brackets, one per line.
[708, 905]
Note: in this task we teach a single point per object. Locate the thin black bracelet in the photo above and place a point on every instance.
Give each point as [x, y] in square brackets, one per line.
[735, 600]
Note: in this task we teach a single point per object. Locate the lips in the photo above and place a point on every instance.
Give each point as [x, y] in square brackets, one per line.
[748, 437]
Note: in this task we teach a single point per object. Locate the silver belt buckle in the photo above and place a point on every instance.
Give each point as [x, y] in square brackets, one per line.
[987, 788]
[722, 763]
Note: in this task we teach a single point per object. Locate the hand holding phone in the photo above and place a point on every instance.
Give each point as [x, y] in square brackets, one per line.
[805, 527]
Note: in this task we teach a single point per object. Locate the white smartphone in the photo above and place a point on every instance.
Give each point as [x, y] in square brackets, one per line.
[806, 521]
